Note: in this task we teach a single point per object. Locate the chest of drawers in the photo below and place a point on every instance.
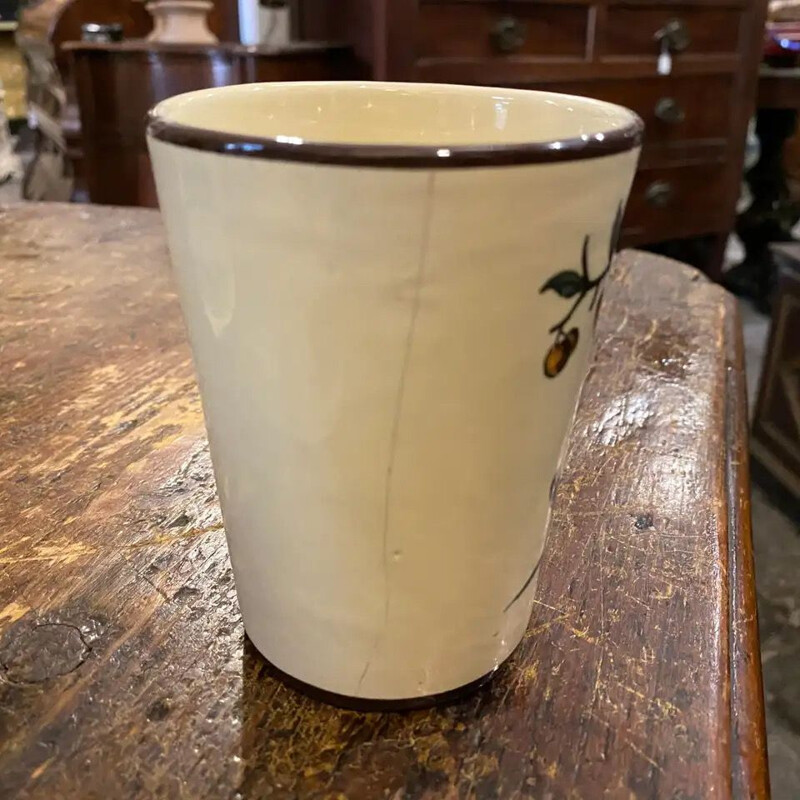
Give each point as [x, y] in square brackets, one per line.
[696, 116]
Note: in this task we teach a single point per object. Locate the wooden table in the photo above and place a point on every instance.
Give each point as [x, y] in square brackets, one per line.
[124, 670]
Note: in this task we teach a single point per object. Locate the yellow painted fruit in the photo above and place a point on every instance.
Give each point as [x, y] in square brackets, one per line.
[558, 355]
[556, 358]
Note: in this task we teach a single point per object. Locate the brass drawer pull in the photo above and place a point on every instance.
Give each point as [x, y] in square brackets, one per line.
[507, 35]
[668, 110]
[674, 36]
[658, 193]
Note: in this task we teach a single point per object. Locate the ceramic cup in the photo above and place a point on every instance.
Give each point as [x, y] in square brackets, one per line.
[390, 292]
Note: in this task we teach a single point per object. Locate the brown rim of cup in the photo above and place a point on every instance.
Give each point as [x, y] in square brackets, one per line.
[594, 145]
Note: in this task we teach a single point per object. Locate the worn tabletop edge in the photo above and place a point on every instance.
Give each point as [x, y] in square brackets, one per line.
[749, 776]
[749, 764]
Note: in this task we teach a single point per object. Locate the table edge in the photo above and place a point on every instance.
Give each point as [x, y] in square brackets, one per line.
[749, 764]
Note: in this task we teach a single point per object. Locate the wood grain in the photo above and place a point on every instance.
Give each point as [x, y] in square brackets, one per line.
[124, 670]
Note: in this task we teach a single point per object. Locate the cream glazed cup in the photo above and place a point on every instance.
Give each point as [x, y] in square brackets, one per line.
[390, 292]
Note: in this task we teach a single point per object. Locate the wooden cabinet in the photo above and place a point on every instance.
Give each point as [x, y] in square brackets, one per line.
[485, 30]
[696, 116]
[679, 112]
[665, 200]
[116, 83]
[635, 29]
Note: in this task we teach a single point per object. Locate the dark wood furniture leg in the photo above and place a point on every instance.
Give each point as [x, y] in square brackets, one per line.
[771, 214]
[775, 442]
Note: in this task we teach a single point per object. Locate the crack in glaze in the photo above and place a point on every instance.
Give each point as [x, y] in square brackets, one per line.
[524, 586]
[401, 386]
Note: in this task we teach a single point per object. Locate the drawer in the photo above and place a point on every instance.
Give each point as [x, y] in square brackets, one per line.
[499, 30]
[674, 109]
[635, 30]
[672, 203]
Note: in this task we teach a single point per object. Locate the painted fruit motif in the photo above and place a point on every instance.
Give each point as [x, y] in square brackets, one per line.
[559, 353]
[575, 285]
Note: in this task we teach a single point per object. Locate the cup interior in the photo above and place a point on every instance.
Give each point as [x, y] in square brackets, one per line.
[397, 114]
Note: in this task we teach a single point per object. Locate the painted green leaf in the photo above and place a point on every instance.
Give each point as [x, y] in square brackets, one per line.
[567, 283]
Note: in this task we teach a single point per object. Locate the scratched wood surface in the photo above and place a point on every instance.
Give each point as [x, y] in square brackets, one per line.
[124, 670]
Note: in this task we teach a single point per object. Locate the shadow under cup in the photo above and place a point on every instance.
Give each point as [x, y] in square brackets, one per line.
[389, 291]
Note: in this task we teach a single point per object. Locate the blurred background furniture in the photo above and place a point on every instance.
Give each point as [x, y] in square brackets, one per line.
[56, 169]
[772, 212]
[56, 166]
[774, 181]
[689, 69]
[696, 115]
[118, 82]
[775, 441]
[13, 106]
